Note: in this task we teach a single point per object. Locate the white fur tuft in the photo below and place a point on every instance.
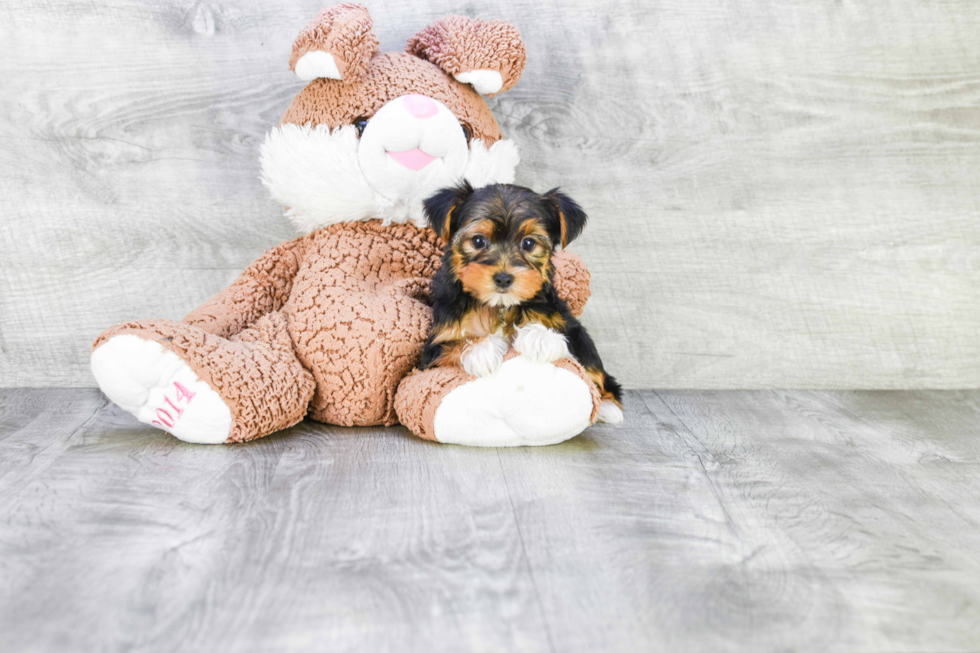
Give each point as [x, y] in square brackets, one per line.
[610, 413]
[540, 344]
[315, 173]
[483, 357]
[493, 166]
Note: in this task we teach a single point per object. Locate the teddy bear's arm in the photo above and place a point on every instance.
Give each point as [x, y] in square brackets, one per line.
[263, 287]
[572, 280]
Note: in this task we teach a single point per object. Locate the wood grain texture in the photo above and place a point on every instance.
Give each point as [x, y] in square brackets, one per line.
[709, 521]
[783, 194]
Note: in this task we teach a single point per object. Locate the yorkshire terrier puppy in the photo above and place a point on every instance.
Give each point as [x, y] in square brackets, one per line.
[495, 284]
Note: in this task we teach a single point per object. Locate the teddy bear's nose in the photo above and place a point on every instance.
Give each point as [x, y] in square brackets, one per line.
[420, 106]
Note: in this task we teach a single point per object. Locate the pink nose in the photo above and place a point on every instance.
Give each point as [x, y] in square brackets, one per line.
[420, 106]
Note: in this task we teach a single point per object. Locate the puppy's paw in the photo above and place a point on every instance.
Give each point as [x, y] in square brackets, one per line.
[540, 344]
[610, 413]
[483, 357]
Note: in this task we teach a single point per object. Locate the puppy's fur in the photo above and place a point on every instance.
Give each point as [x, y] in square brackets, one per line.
[495, 283]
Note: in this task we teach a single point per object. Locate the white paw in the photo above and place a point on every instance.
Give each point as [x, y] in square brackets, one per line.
[523, 404]
[610, 413]
[483, 357]
[540, 344]
[158, 388]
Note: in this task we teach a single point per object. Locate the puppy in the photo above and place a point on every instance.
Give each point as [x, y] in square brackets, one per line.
[495, 284]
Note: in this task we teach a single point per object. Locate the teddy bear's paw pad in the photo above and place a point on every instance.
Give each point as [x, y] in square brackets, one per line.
[540, 344]
[483, 357]
[523, 403]
[610, 413]
[160, 389]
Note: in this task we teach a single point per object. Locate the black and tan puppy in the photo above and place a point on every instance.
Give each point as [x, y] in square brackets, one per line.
[495, 284]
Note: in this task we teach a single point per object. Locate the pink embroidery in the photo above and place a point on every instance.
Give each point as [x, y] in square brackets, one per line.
[179, 410]
[182, 393]
[168, 420]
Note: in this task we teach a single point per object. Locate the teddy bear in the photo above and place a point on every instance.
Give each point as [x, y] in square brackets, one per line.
[331, 324]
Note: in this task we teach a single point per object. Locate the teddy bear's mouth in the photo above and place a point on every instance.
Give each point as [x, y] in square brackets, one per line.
[414, 159]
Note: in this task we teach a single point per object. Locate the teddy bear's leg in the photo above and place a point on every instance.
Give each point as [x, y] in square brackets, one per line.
[200, 387]
[362, 345]
[522, 403]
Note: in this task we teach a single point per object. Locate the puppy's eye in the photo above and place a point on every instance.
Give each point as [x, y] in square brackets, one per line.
[466, 133]
[528, 244]
[360, 124]
[479, 242]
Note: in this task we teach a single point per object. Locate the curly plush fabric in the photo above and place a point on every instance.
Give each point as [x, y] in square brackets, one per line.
[329, 324]
[263, 287]
[572, 281]
[356, 316]
[346, 32]
[343, 311]
[458, 44]
[390, 75]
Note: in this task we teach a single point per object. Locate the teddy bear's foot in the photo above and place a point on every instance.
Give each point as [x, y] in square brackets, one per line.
[159, 389]
[523, 403]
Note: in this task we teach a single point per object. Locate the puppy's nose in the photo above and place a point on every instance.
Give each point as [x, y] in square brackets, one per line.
[503, 280]
[420, 106]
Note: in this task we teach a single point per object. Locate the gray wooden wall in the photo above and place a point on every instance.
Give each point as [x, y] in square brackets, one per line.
[782, 192]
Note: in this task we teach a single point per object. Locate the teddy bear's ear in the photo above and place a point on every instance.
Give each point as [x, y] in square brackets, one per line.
[337, 44]
[489, 55]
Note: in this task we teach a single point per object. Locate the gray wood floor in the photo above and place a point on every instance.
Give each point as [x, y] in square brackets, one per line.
[710, 521]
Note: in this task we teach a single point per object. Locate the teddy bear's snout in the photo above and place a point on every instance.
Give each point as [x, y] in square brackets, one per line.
[420, 106]
[411, 147]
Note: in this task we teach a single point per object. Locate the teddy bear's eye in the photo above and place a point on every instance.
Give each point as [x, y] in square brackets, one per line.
[359, 125]
[466, 133]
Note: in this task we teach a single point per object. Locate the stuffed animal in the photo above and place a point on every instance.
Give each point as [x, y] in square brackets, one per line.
[331, 325]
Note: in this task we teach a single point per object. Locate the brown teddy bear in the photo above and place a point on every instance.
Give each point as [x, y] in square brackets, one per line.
[330, 324]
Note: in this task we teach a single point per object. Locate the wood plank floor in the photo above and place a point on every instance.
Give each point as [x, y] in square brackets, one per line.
[709, 521]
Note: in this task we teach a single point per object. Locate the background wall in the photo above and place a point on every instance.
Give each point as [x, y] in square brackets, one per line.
[782, 192]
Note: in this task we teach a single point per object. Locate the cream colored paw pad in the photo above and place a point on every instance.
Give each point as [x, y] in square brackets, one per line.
[158, 388]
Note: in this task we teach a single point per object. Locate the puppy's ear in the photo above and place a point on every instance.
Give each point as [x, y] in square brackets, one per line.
[568, 218]
[442, 209]
[336, 44]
